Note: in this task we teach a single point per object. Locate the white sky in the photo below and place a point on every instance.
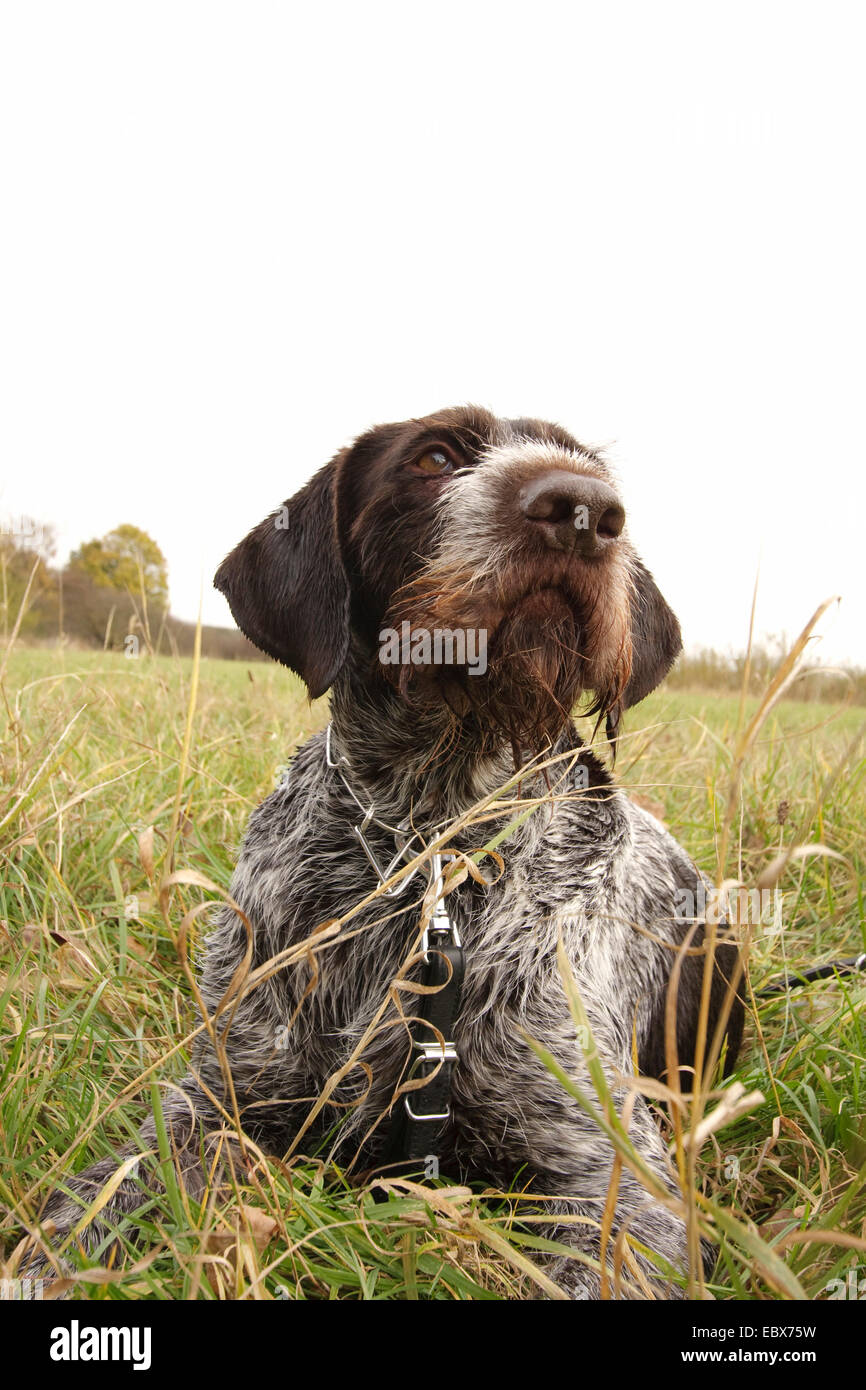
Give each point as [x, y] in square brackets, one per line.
[235, 235]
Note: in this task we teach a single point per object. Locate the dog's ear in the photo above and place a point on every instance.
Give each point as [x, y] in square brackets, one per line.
[656, 642]
[286, 584]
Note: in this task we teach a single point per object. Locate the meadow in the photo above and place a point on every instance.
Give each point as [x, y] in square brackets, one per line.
[118, 773]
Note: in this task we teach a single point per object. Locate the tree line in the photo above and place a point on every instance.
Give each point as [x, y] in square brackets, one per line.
[112, 594]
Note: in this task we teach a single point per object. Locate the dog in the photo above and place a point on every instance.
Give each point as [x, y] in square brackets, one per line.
[458, 522]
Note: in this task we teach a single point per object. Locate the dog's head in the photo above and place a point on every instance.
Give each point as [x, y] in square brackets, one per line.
[472, 561]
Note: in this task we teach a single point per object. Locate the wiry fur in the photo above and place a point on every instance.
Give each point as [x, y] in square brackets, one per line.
[370, 538]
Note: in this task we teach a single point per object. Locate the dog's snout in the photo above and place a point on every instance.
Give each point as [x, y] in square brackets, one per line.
[572, 511]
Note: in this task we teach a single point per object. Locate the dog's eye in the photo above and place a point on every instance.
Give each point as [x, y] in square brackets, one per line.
[435, 462]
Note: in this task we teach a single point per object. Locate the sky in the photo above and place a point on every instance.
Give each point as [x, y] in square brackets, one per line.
[237, 235]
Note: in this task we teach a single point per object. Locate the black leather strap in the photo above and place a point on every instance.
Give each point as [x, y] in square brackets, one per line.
[420, 1115]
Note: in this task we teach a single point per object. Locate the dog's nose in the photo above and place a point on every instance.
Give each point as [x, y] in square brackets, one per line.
[572, 511]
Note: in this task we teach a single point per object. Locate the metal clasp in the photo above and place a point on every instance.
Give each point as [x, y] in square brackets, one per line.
[440, 922]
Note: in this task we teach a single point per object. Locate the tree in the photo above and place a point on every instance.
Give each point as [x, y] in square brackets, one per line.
[26, 546]
[126, 559]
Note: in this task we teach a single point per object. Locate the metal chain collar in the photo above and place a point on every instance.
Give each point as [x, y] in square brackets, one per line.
[403, 833]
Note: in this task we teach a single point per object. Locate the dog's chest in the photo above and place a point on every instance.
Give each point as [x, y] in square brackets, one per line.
[303, 865]
[557, 882]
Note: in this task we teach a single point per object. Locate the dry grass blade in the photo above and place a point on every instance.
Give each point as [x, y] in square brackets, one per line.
[185, 749]
[734, 1103]
[22, 609]
[782, 679]
[770, 876]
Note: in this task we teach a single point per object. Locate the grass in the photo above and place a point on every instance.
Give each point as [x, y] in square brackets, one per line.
[107, 790]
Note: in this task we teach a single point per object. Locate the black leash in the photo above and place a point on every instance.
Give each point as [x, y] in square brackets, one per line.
[421, 1114]
[852, 966]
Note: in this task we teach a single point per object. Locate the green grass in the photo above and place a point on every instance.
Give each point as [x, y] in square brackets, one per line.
[95, 1008]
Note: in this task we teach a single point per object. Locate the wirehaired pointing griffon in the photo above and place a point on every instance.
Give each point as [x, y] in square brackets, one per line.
[458, 523]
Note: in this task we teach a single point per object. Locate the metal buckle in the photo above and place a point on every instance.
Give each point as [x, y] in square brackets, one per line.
[434, 1052]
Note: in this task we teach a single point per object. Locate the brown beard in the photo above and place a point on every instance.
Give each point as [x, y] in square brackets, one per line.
[541, 660]
[535, 673]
